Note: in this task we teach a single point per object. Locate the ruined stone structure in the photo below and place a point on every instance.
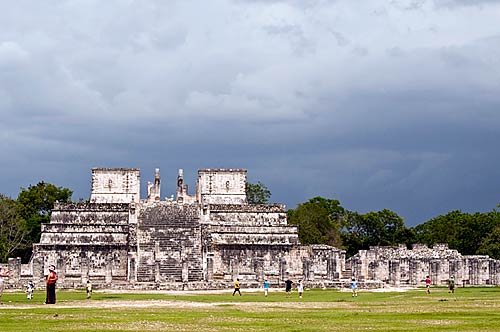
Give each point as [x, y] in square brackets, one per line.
[400, 266]
[205, 240]
[208, 239]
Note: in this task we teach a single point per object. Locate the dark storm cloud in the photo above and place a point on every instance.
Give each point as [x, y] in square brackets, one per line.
[381, 105]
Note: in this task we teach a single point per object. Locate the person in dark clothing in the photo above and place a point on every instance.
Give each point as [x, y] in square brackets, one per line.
[51, 286]
[288, 287]
[451, 285]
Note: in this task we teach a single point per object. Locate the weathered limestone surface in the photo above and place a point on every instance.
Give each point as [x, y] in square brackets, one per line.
[169, 243]
[84, 241]
[206, 240]
[401, 266]
[221, 186]
[115, 185]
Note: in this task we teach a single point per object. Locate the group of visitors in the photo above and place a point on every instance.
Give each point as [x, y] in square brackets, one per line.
[451, 284]
[288, 287]
[30, 286]
[353, 286]
[51, 281]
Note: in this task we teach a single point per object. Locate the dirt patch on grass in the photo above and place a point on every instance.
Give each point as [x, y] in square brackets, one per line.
[179, 304]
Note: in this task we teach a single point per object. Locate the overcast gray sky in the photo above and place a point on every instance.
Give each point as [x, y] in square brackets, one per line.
[379, 104]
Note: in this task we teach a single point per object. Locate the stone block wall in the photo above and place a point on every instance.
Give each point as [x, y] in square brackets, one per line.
[83, 241]
[115, 185]
[401, 266]
[169, 243]
[254, 242]
[221, 186]
[201, 241]
[246, 215]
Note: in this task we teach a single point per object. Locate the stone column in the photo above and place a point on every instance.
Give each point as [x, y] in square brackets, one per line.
[283, 269]
[61, 272]
[258, 268]
[455, 271]
[494, 272]
[132, 275]
[306, 268]
[157, 270]
[473, 272]
[109, 270]
[394, 272]
[234, 267]
[14, 264]
[413, 272]
[210, 268]
[185, 271]
[37, 267]
[434, 272]
[331, 267]
[84, 268]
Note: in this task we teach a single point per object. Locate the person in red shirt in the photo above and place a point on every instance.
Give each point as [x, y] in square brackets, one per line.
[51, 285]
[428, 284]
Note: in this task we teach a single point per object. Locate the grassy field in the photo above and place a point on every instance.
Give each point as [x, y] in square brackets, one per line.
[469, 309]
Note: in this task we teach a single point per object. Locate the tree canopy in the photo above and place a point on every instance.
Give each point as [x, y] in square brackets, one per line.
[35, 205]
[13, 229]
[325, 221]
[381, 228]
[319, 221]
[257, 193]
[470, 234]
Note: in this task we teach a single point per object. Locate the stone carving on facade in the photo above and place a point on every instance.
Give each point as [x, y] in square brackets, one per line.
[203, 240]
[208, 239]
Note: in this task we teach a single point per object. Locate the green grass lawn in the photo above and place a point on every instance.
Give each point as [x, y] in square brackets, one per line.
[469, 309]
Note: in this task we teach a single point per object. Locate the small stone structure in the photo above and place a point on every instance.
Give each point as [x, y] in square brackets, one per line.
[201, 241]
[399, 266]
[206, 240]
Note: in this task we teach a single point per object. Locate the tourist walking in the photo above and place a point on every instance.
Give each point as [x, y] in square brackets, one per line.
[451, 285]
[89, 289]
[428, 284]
[51, 285]
[354, 287]
[30, 287]
[237, 286]
[288, 287]
[300, 288]
[266, 287]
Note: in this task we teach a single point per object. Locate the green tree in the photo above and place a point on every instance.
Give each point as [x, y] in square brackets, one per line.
[381, 228]
[13, 230]
[35, 205]
[257, 193]
[442, 229]
[470, 234]
[491, 244]
[319, 221]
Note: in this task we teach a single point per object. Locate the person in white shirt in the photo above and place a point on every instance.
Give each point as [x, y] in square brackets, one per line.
[300, 288]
